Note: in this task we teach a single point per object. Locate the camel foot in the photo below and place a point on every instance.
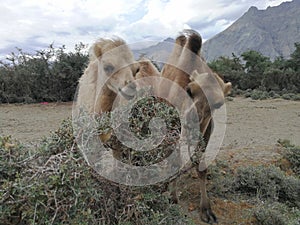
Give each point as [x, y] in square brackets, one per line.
[207, 215]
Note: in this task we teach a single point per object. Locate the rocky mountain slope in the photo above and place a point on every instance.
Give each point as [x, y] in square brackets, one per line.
[272, 32]
[159, 52]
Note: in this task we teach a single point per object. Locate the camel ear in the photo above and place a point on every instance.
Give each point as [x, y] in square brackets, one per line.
[200, 78]
[97, 50]
[146, 69]
[227, 88]
[181, 40]
[194, 75]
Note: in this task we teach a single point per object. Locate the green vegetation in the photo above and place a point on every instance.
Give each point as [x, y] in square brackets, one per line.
[54, 185]
[271, 213]
[273, 192]
[48, 75]
[292, 156]
[255, 76]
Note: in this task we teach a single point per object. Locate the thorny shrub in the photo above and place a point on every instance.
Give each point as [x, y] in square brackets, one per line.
[54, 185]
[275, 194]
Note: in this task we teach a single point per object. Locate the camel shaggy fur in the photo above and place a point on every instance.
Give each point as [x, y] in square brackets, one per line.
[188, 69]
[110, 71]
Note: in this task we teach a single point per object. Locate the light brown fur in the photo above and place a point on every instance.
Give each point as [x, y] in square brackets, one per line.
[146, 69]
[110, 69]
[188, 69]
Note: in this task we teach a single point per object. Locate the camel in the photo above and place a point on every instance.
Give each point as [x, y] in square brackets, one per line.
[188, 69]
[111, 73]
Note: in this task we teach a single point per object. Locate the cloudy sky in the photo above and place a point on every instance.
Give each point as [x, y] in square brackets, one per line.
[34, 24]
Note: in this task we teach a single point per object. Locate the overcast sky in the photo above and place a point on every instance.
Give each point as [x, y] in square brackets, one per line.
[34, 24]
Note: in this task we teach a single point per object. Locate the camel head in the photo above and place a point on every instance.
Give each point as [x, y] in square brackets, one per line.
[116, 66]
[208, 92]
[146, 69]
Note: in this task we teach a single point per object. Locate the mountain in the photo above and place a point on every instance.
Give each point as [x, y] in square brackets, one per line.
[272, 32]
[159, 52]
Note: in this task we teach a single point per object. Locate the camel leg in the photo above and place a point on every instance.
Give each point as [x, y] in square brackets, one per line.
[173, 184]
[173, 190]
[206, 213]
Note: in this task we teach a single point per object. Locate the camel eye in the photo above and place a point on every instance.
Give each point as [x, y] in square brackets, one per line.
[109, 69]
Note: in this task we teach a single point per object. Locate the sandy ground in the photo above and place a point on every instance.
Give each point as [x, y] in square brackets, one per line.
[31, 122]
[249, 122]
[252, 123]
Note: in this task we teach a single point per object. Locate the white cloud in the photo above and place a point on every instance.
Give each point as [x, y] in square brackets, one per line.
[33, 24]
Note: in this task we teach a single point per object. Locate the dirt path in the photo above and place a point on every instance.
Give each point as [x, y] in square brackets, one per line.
[249, 123]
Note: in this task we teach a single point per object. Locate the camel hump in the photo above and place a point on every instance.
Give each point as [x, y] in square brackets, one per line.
[194, 40]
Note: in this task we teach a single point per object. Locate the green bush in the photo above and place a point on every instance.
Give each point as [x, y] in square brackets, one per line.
[253, 71]
[288, 96]
[292, 154]
[271, 213]
[261, 182]
[296, 97]
[11, 158]
[274, 195]
[273, 95]
[259, 95]
[223, 180]
[48, 75]
[248, 93]
[291, 96]
[236, 92]
[268, 183]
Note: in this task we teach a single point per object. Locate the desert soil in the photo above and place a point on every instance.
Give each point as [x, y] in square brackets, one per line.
[249, 123]
[253, 128]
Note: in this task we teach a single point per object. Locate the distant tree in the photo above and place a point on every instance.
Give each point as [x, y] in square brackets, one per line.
[284, 75]
[231, 68]
[255, 66]
[68, 67]
[255, 71]
[294, 62]
[48, 75]
[274, 80]
[279, 63]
